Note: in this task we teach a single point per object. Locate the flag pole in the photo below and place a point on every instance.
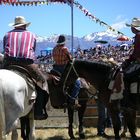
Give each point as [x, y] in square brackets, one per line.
[72, 27]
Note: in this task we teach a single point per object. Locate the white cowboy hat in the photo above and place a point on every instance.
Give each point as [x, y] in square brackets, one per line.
[20, 21]
[135, 23]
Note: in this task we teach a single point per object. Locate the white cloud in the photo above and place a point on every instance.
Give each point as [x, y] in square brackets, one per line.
[119, 25]
[119, 18]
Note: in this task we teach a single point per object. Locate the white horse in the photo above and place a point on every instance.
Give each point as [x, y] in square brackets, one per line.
[15, 95]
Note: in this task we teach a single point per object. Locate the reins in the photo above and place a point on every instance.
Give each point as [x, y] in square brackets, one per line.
[66, 78]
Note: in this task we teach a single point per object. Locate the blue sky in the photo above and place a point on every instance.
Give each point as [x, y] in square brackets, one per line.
[50, 19]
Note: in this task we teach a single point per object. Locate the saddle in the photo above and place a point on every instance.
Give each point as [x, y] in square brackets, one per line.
[57, 97]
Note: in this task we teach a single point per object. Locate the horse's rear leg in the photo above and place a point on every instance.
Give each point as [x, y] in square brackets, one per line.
[25, 129]
[70, 128]
[28, 127]
[123, 134]
[14, 135]
[81, 112]
[32, 126]
[115, 115]
[131, 123]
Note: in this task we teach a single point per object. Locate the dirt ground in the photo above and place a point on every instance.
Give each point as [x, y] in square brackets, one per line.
[55, 128]
[61, 134]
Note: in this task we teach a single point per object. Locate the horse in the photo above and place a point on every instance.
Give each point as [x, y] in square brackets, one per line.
[17, 97]
[27, 122]
[100, 75]
[14, 95]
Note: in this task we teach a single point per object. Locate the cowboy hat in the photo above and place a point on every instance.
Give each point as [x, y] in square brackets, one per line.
[61, 40]
[20, 21]
[135, 23]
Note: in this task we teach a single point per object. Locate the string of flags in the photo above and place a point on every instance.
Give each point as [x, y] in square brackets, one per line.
[69, 2]
[32, 2]
[97, 20]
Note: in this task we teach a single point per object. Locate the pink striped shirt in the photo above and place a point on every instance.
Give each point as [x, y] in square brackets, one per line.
[20, 44]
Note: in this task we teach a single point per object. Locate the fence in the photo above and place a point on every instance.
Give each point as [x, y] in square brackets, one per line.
[58, 119]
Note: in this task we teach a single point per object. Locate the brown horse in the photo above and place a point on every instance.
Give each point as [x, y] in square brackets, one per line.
[98, 74]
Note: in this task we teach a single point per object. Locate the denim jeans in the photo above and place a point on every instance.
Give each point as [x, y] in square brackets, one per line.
[101, 117]
[76, 89]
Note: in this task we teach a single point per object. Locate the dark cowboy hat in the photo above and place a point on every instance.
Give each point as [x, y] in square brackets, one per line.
[61, 40]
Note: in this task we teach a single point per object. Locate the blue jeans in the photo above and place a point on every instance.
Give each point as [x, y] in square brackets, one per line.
[76, 89]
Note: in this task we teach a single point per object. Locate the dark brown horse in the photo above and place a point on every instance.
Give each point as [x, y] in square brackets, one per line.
[98, 74]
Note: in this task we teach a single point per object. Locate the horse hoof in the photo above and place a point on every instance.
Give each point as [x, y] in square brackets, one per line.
[117, 138]
[70, 133]
[72, 138]
[81, 132]
[82, 136]
[123, 135]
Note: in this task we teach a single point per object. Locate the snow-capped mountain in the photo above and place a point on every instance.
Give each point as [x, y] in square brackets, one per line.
[85, 42]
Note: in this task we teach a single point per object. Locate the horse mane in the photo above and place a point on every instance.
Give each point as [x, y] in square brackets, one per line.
[93, 65]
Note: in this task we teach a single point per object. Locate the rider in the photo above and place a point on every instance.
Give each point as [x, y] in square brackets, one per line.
[131, 65]
[19, 49]
[135, 28]
[61, 57]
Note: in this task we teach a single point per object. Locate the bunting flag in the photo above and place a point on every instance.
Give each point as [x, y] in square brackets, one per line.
[94, 18]
[69, 2]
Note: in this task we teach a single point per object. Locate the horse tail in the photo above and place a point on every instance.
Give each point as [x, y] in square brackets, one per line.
[2, 114]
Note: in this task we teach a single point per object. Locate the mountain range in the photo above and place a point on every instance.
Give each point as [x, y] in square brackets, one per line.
[85, 42]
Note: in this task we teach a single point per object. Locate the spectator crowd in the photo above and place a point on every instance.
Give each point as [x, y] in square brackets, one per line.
[118, 53]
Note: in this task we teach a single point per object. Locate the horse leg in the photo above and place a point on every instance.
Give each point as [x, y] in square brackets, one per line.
[24, 122]
[70, 118]
[28, 127]
[1, 132]
[14, 135]
[31, 126]
[81, 112]
[123, 134]
[115, 115]
[2, 117]
[131, 123]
